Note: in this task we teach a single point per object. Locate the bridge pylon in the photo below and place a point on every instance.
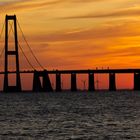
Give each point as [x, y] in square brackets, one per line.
[14, 52]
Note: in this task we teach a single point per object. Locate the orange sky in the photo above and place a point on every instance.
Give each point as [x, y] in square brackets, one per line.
[79, 34]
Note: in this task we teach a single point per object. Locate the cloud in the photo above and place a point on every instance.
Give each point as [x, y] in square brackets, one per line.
[130, 51]
[85, 45]
[86, 1]
[26, 4]
[119, 13]
[105, 32]
[30, 4]
[7, 2]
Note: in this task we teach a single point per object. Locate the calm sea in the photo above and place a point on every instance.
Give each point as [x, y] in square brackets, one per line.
[70, 116]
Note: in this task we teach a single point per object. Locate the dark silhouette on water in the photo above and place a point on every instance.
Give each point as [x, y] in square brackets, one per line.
[17, 87]
[112, 82]
[58, 82]
[46, 85]
[91, 82]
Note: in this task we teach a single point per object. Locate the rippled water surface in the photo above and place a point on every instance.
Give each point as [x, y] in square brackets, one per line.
[54, 116]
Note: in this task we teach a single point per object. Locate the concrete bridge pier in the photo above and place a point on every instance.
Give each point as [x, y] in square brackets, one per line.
[47, 87]
[136, 81]
[73, 82]
[112, 82]
[46, 84]
[91, 86]
[36, 82]
[58, 82]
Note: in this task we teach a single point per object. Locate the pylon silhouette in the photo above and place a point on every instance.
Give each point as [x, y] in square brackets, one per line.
[17, 87]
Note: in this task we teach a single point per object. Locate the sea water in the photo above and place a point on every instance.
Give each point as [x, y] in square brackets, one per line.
[70, 116]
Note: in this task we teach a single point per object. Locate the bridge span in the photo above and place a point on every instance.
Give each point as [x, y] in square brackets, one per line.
[45, 85]
[98, 71]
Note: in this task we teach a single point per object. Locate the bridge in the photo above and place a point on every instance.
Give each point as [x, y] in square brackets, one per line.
[46, 85]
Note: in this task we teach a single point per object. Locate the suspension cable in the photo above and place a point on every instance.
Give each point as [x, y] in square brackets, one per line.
[29, 46]
[2, 30]
[24, 53]
[1, 55]
[26, 57]
[2, 52]
[0, 38]
[11, 28]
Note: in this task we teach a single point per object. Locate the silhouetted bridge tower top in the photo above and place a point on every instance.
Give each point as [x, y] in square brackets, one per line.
[47, 86]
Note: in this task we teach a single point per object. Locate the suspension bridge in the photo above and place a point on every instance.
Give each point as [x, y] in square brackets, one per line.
[45, 85]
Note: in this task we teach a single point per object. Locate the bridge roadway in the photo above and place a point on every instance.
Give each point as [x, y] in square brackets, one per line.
[46, 85]
[80, 71]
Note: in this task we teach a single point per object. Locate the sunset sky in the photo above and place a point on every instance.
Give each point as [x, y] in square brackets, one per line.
[79, 34]
[75, 34]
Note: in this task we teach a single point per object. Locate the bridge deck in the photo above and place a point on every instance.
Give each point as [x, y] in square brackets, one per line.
[83, 71]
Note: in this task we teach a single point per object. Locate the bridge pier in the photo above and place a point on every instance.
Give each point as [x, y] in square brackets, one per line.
[58, 82]
[91, 86]
[46, 84]
[36, 82]
[112, 82]
[136, 81]
[73, 82]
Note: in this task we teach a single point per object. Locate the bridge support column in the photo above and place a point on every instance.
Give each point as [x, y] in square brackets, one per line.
[36, 83]
[112, 82]
[46, 82]
[91, 86]
[58, 82]
[136, 81]
[73, 82]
